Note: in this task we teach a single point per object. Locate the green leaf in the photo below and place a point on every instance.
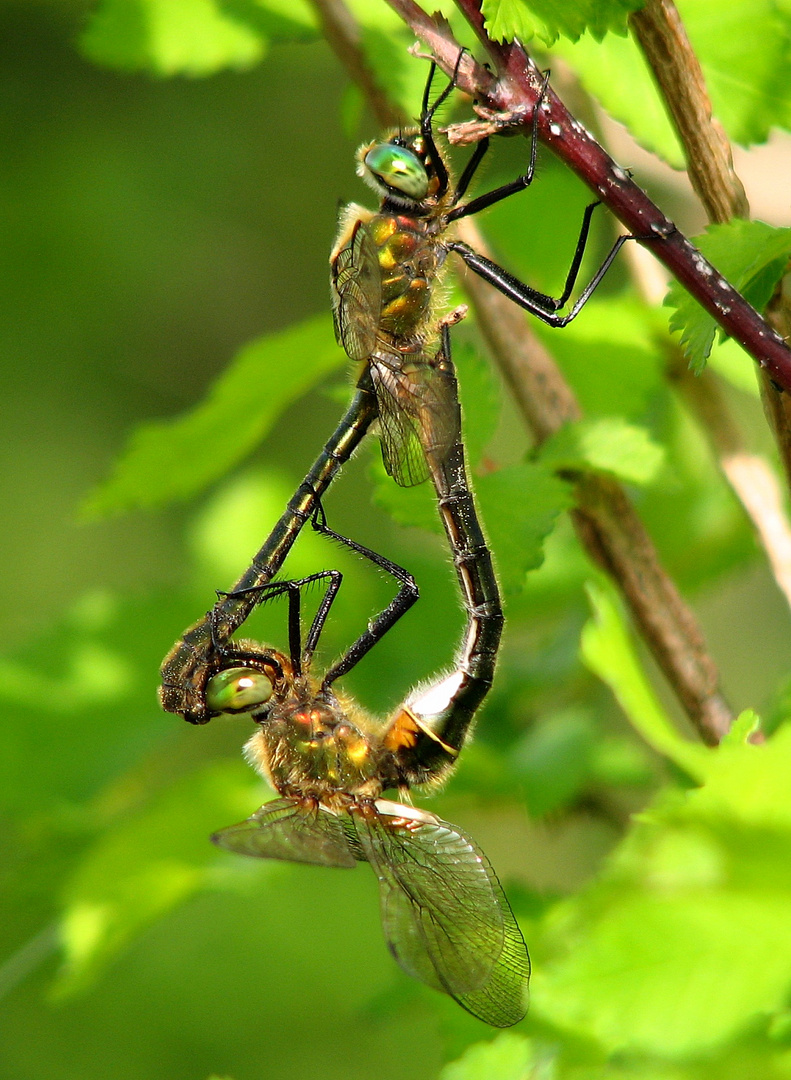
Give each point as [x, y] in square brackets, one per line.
[745, 725]
[519, 506]
[616, 343]
[413, 507]
[685, 941]
[480, 398]
[609, 445]
[730, 361]
[170, 37]
[525, 19]
[752, 256]
[175, 459]
[143, 867]
[506, 1057]
[607, 650]
[275, 20]
[744, 51]
[604, 68]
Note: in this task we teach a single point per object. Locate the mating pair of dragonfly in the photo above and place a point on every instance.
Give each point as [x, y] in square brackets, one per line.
[445, 916]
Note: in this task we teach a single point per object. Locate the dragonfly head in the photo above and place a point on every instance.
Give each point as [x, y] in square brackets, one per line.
[397, 168]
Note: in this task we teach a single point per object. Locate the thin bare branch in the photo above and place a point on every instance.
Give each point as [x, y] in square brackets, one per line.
[343, 34]
[663, 39]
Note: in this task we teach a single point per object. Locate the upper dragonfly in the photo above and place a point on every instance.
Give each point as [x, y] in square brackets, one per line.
[386, 265]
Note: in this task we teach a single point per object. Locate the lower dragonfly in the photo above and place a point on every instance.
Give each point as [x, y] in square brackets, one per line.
[445, 916]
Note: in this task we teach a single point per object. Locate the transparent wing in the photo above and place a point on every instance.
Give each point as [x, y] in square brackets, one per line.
[445, 916]
[357, 294]
[290, 829]
[418, 413]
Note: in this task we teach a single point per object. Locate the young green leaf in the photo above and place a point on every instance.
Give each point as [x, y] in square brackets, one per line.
[684, 943]
[507, 1057]
[170, 37]
[617, 343]
[519, 507]
[525, 19]
[413, 507]
[609, 445]
[175, 459]
[604, 68]
[744, 52]
[275, 20]
[752, 256]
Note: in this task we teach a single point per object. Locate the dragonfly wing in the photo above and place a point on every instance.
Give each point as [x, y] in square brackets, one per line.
[399, 433]
[445, 917]
[291, 830]
[356, 281]
[419, 414]
[502, 1001]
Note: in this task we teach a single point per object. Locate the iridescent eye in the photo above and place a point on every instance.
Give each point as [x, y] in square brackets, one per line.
[237, 690]
[399, 169]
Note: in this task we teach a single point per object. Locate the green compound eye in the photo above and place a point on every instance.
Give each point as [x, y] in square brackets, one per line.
[237, 690]
[399, 168]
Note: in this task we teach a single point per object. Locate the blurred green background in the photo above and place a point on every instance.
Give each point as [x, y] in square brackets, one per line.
[150, 228]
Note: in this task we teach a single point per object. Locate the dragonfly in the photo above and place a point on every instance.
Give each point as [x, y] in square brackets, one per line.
[445, 916]
[386, 267]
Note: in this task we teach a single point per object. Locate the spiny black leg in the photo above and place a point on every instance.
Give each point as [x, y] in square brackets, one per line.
[427, 115]
[316, 627]
[272, 589]
[407, 594]
[511, 188]
[427, 112]
[294, 629]
[537, 303]
[574, 269]
[220, 645]
[470, 169]
[593, 284]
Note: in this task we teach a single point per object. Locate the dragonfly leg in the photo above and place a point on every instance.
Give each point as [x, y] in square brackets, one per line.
[537, 303]
[505, 190]
[426, 119]
[407, 595]
[293, 589]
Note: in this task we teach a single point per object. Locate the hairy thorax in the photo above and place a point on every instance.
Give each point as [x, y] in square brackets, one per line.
[410, 264]
[313, 748]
